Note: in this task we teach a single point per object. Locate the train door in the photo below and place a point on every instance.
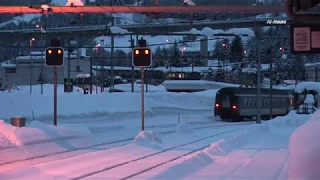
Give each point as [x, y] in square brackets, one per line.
[226, 101]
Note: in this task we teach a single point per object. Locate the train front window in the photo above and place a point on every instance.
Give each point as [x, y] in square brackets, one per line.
[226, 102]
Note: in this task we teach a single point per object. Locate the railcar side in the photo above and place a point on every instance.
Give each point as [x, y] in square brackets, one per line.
[239, 103]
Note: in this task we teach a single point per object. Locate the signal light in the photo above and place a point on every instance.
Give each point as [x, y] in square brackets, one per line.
[54, 56]
[217, 105]
[234, 107]
[141, 57]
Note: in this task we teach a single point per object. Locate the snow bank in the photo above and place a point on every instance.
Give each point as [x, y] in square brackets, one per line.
[184, 101]
[292, 119]
[4, 142]
[148, 139]
[200, 159]
[304, 147]
[309, 99]
[77, 105]
[196, 84]
[38, 132]
[309, 86]
[183, 128]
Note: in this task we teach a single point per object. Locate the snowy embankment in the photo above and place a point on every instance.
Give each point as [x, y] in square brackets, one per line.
[260, 154]
[304, 150]
[77, 105]
[36, 132]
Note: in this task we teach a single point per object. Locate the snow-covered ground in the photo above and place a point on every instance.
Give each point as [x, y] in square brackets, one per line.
[267, 151]
[182, 139]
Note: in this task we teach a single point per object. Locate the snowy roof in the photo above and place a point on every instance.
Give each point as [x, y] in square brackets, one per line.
[30, 57]
[118, 30]
[8, 65]
[312, 64]
[189, 49]
[83, 76]
[36, 53]
[309, 86]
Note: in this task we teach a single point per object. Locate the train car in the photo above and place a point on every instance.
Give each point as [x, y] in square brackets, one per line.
[236, 104]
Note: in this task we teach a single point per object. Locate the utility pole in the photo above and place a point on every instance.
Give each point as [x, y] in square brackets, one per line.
[111, 58]
[91, 74]
[102, 70]
[257, 33]
[271, 82]
[69, 61]
[132, 67]
[55, 103]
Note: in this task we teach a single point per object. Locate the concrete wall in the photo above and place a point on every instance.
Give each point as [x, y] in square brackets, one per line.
[8, 77]
[28, 70]
[82, 64]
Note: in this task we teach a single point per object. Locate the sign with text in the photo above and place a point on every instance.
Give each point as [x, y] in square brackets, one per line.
[305, 38]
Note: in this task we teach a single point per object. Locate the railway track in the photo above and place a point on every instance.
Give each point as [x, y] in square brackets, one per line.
[68, 153]
[109, 169]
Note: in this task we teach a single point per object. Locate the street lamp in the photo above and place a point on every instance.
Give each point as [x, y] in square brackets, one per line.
[244, 52]
[224, 62]
[282, 50]
[97, 50]
[31, 62]
[182, 50]
[42, 61]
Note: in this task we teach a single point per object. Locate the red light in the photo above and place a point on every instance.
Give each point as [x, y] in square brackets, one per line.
[234, 107]
[136, 52]
[217, 105]
[146, 51]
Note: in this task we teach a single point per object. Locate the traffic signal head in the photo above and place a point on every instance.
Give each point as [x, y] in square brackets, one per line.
[54, 56]
[141, 57]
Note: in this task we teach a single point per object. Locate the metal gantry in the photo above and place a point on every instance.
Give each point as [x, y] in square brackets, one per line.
[139, 9]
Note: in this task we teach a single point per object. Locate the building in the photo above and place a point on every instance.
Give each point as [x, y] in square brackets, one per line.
[312, 72]
[31, 70]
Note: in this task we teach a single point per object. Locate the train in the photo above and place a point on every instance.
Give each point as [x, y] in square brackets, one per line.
[237, 104]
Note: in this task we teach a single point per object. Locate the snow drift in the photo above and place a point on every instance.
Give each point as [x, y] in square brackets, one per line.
[37, 133]
[220, 150]
[304, 147]
[183, 128]
[148, 139]
[77, 105]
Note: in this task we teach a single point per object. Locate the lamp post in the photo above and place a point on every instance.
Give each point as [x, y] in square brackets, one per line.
[31, 62]
[97, 50]
[224, 62]
[42, 61]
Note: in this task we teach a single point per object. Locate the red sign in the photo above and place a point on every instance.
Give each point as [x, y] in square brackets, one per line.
[301, 39]
[305, 38]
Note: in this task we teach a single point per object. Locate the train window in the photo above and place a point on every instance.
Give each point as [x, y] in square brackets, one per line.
[226, 102]
[248, 102]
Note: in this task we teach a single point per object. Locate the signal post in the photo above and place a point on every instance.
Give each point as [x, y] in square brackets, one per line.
[54, 59]
[142, 57]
